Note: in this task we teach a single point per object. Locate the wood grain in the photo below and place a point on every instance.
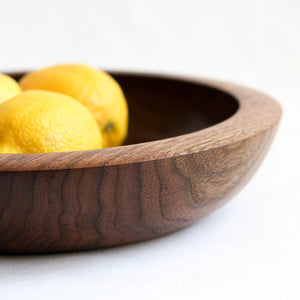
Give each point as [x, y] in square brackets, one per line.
[192, 145]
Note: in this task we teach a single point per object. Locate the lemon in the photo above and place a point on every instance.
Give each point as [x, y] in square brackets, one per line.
[8, 87]
[96, 89]
[41, 121]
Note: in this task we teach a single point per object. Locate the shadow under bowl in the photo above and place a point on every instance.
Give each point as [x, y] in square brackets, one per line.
[192, 145]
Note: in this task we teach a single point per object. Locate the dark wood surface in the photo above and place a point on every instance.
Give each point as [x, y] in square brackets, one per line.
[192, 145]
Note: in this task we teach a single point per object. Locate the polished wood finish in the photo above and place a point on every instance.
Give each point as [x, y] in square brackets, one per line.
[192, 145]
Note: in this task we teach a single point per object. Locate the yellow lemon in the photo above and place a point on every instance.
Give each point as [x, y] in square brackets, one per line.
[96, 89]
[40, 121]
[8, 87]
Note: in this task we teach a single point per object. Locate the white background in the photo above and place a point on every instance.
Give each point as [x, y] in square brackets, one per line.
[248, 249]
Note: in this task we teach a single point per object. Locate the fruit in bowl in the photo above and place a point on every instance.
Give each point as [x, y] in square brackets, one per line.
[8, 88]
[39, 122]
[60, 109]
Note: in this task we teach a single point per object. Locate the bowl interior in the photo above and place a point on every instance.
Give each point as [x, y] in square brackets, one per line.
[164, 107]
[161, 108]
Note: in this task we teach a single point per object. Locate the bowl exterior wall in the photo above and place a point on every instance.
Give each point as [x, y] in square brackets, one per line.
[91, 208]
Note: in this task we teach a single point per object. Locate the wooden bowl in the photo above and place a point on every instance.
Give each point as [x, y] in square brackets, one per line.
[192, 145]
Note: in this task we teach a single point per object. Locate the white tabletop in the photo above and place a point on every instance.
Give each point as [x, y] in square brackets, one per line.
[248, 249]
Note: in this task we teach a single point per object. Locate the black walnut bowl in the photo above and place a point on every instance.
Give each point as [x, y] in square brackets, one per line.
[192, 145]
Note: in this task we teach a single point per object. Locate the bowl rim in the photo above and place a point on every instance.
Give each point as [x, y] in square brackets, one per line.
[256, 113]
